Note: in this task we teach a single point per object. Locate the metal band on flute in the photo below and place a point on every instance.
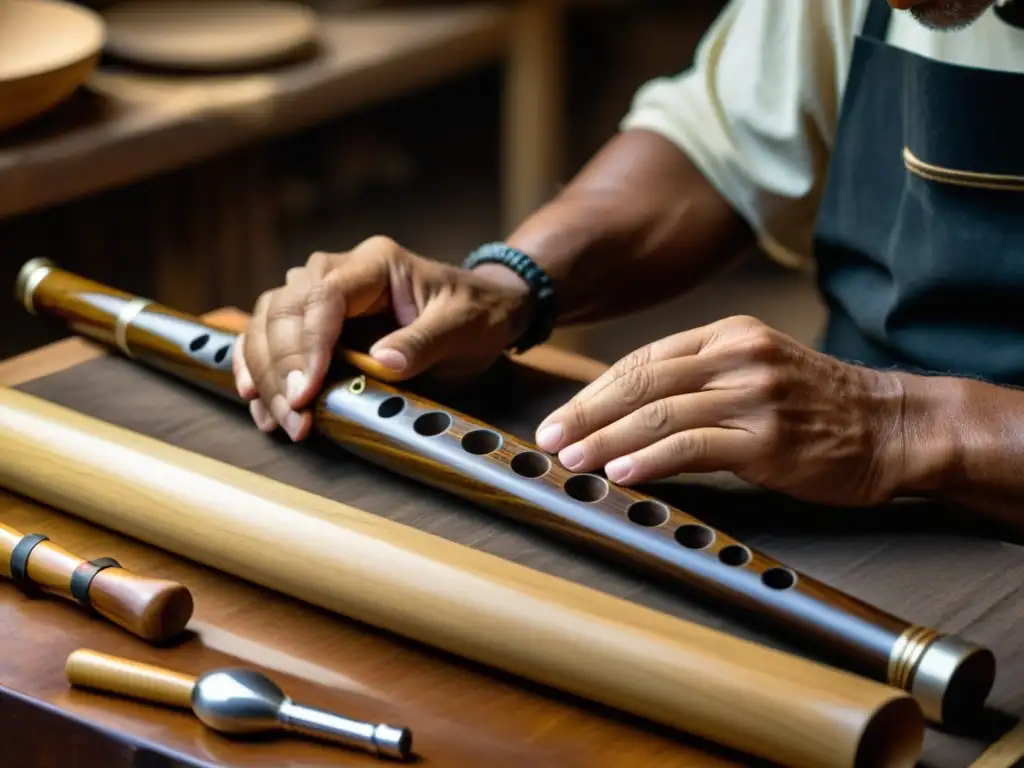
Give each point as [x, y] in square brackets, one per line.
[124, 320]
[464, 456]
[31, 275]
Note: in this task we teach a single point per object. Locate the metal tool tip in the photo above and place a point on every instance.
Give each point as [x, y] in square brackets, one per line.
[953, 679]
[392, 742]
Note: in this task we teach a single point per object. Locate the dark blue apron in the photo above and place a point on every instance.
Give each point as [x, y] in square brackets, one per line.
[920, 236]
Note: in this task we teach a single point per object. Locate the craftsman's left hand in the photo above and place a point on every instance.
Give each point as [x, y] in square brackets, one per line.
[739, 396]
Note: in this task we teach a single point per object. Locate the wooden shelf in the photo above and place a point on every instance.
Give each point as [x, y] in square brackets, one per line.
[126, 126]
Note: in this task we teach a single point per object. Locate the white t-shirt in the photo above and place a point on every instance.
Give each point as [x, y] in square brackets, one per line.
[758, 110]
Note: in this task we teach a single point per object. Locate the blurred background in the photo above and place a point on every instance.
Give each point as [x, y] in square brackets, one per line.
[193, 152]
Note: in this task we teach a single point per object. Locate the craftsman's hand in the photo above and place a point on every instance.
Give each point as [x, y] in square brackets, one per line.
[738, 396]
[451, 321]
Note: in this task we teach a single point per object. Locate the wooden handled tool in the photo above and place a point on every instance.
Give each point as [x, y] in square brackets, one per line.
[236, 701]
[153, 609]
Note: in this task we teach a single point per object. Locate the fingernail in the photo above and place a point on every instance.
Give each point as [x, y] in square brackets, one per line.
[571, 457]
[549, 438]
[619, 470]
[295, 385]
[244, 384]
[292, 424]
[391, 358]
[289, 420]
[261, 415]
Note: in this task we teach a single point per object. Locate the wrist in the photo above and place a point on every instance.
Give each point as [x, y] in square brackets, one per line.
[519, 302]
[535, 310]
[931, 442]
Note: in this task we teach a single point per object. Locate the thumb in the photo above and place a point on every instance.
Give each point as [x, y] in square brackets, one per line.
[430, 338]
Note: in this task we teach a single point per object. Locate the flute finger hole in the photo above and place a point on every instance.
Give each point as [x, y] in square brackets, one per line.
[481, 441]
[221, 354]
[199, 342]
[530, 464]
[695, 536]
[778, 578]
[432, 424]
[391, 407]
[588, 488]
[735, 555]
[649, 514]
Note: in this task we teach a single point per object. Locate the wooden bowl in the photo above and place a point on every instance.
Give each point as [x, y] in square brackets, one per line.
[210, 35]
[49, 49]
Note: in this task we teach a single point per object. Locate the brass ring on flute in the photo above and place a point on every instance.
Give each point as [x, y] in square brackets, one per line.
[125, 317]
[29, 278]
[907, 652]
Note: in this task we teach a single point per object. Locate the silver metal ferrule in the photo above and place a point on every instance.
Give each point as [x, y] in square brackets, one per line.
[29, 277]
[381, 739]
[952, 677]
[124, 320]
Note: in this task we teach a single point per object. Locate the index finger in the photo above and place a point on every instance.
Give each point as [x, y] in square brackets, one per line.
[551, 433]
[354, 287]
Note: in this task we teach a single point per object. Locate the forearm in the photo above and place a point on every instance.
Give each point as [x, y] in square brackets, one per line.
[638, 225]
[965, 445]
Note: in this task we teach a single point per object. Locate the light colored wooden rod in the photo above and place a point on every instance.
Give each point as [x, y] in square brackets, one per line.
[101, 672]
[727, 690]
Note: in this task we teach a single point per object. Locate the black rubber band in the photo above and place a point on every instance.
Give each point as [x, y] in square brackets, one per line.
[19, 561]
[82, 576]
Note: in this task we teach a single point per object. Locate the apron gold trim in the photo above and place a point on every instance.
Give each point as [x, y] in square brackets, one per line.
[975, 179]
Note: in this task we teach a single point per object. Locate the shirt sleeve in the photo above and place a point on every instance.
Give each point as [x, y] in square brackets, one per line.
[757, 111]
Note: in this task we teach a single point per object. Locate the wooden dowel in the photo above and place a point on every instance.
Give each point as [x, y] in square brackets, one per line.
[737, 693]
[153, 609]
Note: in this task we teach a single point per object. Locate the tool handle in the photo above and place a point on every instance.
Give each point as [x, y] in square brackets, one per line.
[153, 609]
[101, 672]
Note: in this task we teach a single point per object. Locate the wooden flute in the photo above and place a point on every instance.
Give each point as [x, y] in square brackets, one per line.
[420, 439]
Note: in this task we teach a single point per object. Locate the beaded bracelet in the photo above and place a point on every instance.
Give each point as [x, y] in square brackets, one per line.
[542, 290]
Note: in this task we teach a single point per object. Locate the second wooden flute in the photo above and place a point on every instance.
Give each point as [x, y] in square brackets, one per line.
[441, 447]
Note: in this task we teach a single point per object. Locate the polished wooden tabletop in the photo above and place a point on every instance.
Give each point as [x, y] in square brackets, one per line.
[462, 714]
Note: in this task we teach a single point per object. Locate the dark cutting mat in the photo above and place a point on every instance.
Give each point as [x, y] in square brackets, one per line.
[912, 559]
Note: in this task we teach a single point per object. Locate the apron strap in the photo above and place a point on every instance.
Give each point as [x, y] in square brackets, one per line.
[876, 25]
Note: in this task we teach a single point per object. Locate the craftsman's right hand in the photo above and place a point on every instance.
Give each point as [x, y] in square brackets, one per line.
[452, 322]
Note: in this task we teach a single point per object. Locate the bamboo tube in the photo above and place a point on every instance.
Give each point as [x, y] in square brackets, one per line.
[739, 694]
